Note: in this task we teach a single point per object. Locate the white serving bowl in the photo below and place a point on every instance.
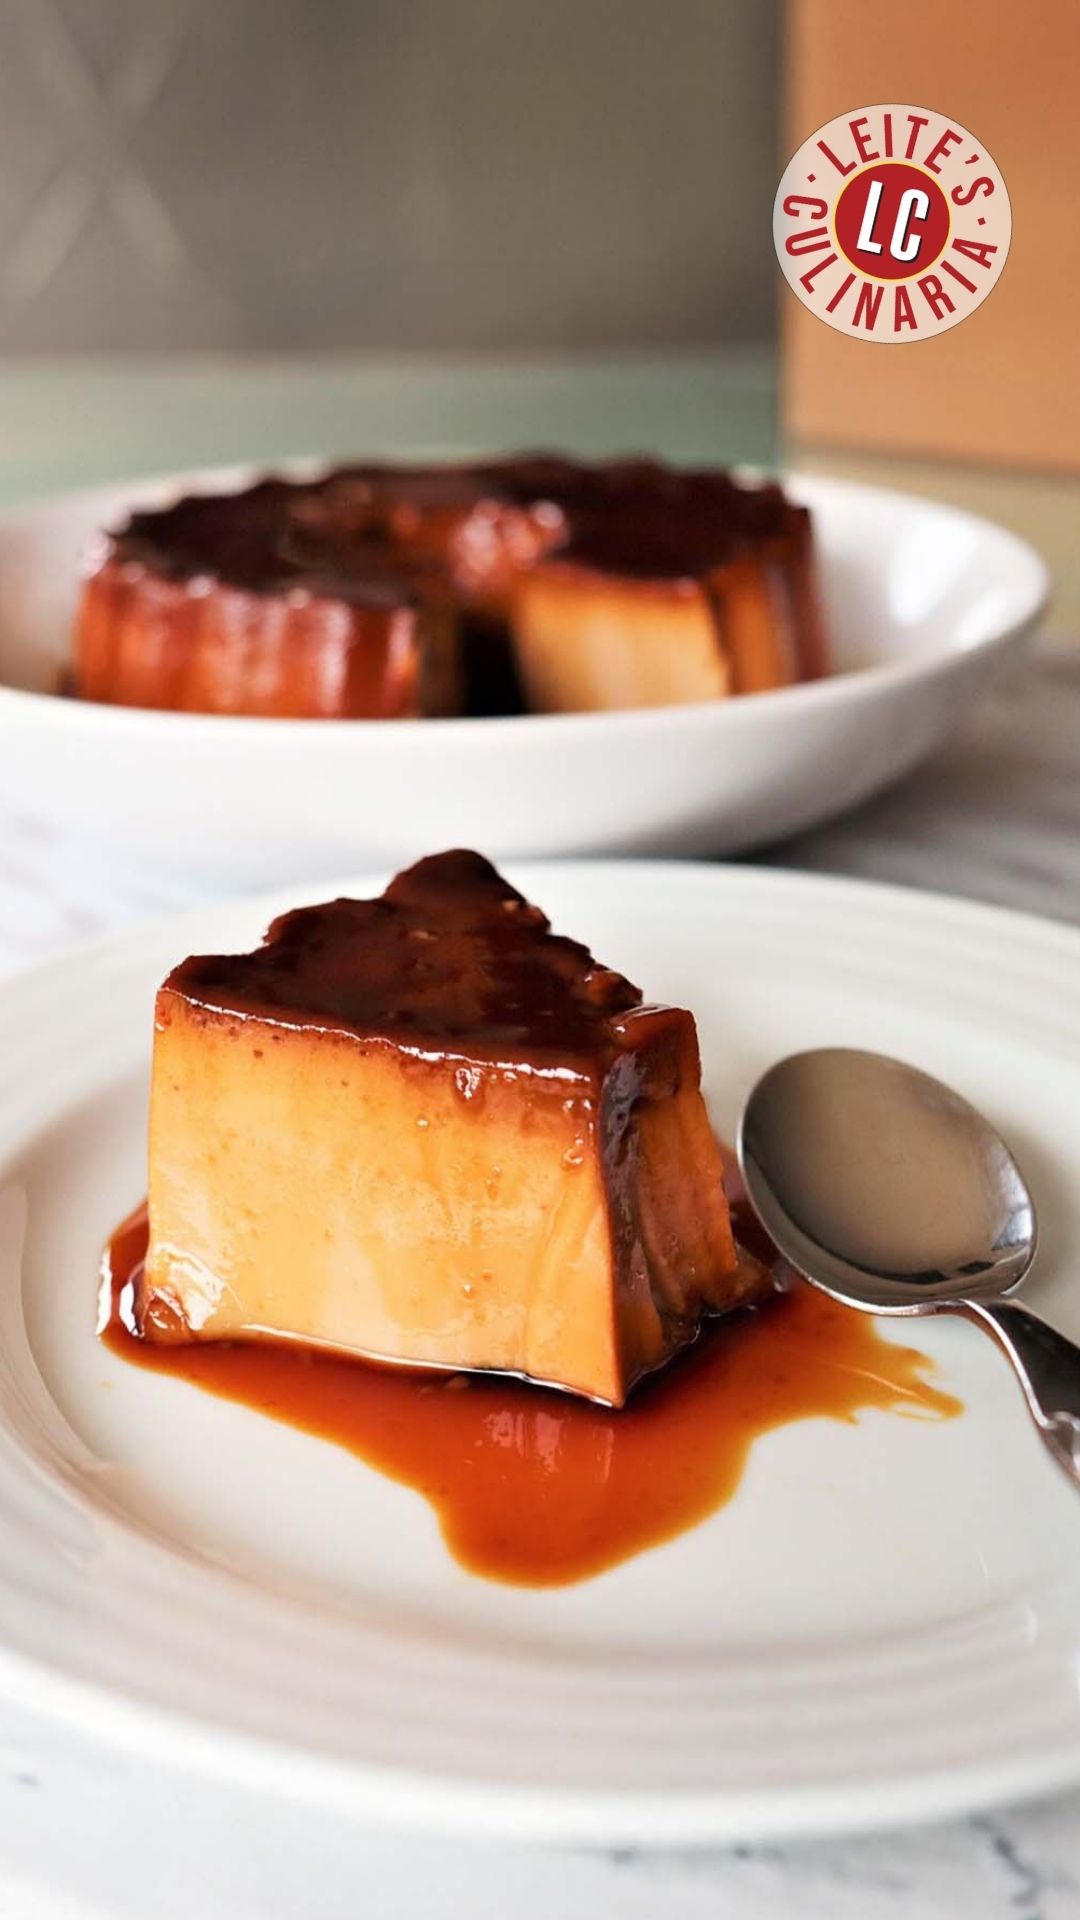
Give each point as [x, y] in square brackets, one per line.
[924, 604]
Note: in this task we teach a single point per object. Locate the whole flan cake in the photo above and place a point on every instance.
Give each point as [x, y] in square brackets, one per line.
[390, 592]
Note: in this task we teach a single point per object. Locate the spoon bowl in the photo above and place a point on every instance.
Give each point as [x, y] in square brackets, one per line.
[883, 1186]
[890, 1192]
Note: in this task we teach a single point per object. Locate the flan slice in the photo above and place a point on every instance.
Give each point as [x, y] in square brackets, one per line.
[424, 1129]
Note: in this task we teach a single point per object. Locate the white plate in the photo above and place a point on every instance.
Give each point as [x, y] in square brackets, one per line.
[883, 1625]
[923, 604]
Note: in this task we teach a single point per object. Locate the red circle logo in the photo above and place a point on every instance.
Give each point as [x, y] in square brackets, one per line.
[892, 223]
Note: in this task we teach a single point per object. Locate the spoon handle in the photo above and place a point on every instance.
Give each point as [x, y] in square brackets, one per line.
[1047, 1367]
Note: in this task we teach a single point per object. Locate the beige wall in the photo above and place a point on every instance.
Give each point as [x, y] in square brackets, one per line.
[335, 173]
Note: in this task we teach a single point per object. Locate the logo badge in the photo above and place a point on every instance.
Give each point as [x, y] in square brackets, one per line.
[892, 223]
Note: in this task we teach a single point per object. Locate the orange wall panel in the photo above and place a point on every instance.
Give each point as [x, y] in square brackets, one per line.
[1005, 384]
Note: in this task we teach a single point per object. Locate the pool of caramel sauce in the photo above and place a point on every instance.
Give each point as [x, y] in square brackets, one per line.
[531, 1486]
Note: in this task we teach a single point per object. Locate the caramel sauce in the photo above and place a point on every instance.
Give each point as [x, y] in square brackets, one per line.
[533, 1487]
[338, 533]
[450, 958]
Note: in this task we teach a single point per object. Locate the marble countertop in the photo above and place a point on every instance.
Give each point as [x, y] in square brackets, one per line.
[87, 1837]
[91, 1836]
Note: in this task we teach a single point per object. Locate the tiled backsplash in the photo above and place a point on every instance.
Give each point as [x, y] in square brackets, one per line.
[402, 173]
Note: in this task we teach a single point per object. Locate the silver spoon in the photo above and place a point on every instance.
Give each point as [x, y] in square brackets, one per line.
[892, 1194]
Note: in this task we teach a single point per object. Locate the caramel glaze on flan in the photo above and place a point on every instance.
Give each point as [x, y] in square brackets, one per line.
[424, 1129]
[394, 592]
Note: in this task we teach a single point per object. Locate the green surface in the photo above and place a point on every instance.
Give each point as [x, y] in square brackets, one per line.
[72, 422]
